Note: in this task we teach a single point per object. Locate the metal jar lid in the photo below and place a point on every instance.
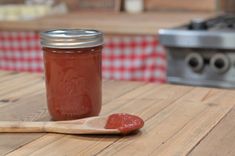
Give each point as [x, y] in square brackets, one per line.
[71, 38]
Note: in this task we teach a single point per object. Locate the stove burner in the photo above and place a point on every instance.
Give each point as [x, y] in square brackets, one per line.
[217, 33]
[223, 22]
[198, 24]
[202, 52]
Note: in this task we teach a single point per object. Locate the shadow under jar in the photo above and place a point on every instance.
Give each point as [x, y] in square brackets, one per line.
[72, 60]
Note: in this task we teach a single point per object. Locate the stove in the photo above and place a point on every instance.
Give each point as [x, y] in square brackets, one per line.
[201, 52]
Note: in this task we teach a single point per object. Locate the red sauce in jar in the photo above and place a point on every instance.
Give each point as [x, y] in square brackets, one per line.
[72, 59]
[125, 123]
[73, 82]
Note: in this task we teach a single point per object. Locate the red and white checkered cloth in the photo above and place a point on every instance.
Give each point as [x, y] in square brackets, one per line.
[138, 58]
[20, 51]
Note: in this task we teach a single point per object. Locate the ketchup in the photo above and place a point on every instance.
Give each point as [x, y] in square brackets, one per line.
[72, 60]
[125, 123]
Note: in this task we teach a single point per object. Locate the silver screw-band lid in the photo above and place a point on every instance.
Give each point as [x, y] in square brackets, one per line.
[71, 38]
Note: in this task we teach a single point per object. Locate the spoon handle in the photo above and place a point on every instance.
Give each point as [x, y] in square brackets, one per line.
[22, 126]
[67, 127]
[91, 125]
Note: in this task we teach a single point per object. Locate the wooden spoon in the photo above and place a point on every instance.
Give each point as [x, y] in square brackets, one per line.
[92, 125]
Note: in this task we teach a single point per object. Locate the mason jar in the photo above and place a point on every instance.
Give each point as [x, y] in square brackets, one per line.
[72, 61]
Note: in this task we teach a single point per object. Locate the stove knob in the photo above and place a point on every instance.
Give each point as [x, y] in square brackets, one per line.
[198, 24]
[220, 63]
[195, 62]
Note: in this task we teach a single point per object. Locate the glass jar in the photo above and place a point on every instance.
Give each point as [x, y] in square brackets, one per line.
[72, 60]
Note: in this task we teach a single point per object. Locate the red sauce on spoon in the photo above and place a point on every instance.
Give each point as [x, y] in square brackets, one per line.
[125, 123]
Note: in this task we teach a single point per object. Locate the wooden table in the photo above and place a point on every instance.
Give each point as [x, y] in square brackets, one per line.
[146, 23]
[179, 120]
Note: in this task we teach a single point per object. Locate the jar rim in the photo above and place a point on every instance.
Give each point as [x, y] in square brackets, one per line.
[71, 38]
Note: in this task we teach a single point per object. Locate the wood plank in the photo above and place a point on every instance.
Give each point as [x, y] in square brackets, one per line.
[18, 82]
[220, 141]
[30, 102]
[111, 91]
[165, 125]
[3, 73]
[8, 76]
[26, 91]
[177, 118]
[72, 145]
[30, 108]
[12, 98]
[38, 83]
[160, 126]
[199, 126]
[19, 85]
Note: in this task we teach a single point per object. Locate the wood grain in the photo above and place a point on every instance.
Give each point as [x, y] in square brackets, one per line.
[190, 5]
[198, 127]
[31, 108]
[3, 73]
[160, 126]
[220, 141]
[111, 23]
[78, 144]
[179, 120]
[23, 98]
[6, 76]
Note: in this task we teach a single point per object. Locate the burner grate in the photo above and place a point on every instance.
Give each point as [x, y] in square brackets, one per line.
[222, 22]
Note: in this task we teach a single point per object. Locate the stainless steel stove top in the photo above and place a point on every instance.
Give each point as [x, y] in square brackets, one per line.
[213, 33]
[202, 52]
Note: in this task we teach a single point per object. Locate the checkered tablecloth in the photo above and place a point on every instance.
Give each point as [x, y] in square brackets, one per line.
[138, 57]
